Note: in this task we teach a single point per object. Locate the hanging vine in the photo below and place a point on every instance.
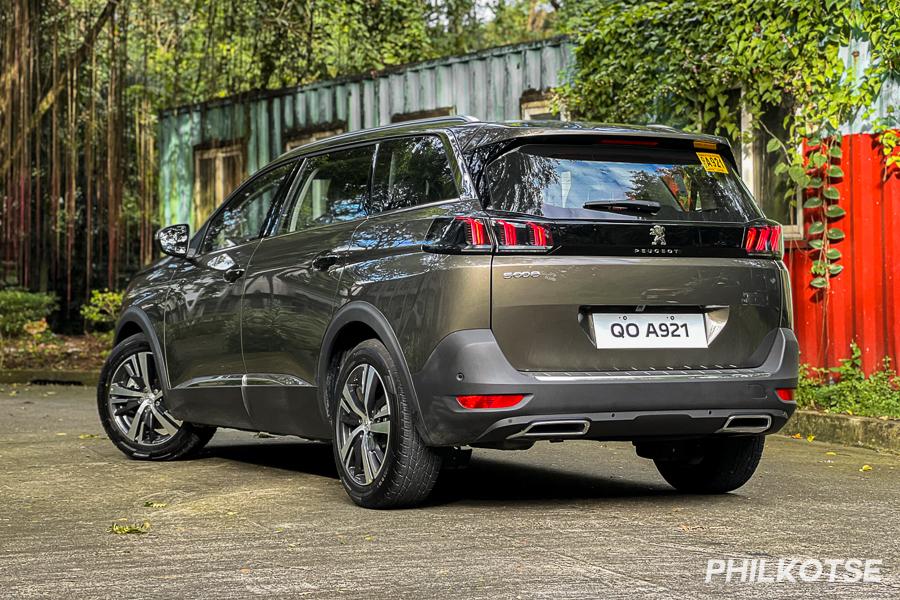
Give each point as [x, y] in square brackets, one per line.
[703, 65]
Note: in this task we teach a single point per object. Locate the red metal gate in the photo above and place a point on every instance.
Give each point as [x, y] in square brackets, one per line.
[862, 303]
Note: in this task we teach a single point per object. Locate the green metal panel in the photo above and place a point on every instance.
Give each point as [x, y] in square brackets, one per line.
[487, 85]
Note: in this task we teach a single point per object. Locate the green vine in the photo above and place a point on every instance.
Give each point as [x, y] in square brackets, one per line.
[821, 171]
[889, 140]
[701, 64]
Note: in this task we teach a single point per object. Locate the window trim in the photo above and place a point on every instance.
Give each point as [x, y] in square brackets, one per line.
[448, 152]
[464, 182]
[279, 197]
[274, 220]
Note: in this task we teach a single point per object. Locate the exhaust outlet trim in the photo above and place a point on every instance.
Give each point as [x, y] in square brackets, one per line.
[746, 424]
[554, 429]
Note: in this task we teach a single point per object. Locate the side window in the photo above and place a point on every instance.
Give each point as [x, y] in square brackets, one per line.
[334, 187]
[411, 171]
[242, 219]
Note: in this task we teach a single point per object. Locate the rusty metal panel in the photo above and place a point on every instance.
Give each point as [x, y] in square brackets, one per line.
[487, 85]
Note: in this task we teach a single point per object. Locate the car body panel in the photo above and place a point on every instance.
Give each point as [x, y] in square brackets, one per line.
[258, 354]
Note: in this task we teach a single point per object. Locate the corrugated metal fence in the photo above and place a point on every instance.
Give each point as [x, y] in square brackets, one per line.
[487, 85]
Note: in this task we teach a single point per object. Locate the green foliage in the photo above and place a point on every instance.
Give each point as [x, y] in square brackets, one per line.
[102, 309]
[698, 63]
[18, 308]
[847, 389]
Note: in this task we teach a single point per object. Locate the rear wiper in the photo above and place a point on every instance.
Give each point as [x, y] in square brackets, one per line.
[649, 206]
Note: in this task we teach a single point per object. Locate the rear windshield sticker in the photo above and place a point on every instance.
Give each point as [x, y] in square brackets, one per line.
[713, 163]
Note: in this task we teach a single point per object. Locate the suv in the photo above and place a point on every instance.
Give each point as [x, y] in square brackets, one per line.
[411, 291]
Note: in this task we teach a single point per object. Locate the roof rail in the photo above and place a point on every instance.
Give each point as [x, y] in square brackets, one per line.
[462, 119]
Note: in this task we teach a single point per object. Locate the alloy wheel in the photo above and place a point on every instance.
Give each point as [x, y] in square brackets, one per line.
[135, 402]
[363, 423]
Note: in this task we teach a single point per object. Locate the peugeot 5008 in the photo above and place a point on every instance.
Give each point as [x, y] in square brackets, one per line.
[412, 291]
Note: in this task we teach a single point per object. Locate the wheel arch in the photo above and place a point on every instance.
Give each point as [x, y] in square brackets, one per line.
[353, 323]
[134, 321]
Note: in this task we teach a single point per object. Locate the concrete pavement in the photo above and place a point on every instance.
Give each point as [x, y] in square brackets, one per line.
[268, 517]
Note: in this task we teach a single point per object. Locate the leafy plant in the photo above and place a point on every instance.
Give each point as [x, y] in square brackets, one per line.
[890, 149]
[18, 308]
[846, 388]
[704, 64]
[101, 311]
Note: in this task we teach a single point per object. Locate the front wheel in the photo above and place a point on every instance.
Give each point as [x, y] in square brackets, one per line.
[382, 461]
[133, 408]
[715, 466]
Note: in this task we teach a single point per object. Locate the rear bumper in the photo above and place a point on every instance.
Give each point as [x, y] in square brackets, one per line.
[602, 406]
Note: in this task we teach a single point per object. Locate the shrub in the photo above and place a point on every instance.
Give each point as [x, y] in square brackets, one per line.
[101, 311]
[18, 308]
[851, 391]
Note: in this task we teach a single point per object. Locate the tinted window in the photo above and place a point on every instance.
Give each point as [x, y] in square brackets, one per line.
[411, 171]
[334, 187]
[242, 220]
[557, 181]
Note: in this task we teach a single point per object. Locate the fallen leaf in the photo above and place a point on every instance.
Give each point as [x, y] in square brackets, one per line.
[88, 436]
[830, 453]
[865, 468]
[62, 433]
[154, 504]
[137, 528]
[810, 437]
[797, 436]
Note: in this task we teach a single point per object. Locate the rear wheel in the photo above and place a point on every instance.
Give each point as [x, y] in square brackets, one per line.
[714, 466]
[382, 461]
[133, 409]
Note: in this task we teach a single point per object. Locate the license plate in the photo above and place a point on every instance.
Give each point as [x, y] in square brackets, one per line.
[649, 330]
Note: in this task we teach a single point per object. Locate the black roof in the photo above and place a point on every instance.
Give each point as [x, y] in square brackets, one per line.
[473, 133]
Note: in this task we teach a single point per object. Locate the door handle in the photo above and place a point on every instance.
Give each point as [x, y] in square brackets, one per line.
[324, 261]
[233, 274]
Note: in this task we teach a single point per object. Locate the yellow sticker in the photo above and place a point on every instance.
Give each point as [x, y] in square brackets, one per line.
[713, 163]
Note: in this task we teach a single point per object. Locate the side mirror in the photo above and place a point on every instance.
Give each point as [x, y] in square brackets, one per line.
[173, 240]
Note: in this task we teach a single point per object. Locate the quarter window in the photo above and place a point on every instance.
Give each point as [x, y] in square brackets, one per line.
[242, 219]
[411, 171]
[334, 188]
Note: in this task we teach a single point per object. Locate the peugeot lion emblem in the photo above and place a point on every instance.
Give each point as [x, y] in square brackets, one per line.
[659, 235]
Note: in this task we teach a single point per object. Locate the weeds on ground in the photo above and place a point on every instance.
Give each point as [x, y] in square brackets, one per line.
[846, 389]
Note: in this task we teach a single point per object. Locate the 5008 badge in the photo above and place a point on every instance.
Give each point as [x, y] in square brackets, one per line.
[521, 274]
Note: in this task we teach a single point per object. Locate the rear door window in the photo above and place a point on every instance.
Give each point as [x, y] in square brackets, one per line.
[333, 187]
[618, 183]
[411, 171]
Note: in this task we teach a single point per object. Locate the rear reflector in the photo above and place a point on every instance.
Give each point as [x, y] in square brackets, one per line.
[490, 401]
[785, 394]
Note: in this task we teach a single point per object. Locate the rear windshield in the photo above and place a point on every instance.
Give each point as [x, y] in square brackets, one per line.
[619, 183]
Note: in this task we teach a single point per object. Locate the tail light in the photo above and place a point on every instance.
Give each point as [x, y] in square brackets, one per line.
[764, 241]
[458, 235]
[522, 236]
[474, 235]
[490, 401]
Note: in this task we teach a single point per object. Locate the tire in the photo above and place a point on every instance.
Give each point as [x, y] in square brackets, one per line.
[123, 393]
[721, 466]
[381, 460]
